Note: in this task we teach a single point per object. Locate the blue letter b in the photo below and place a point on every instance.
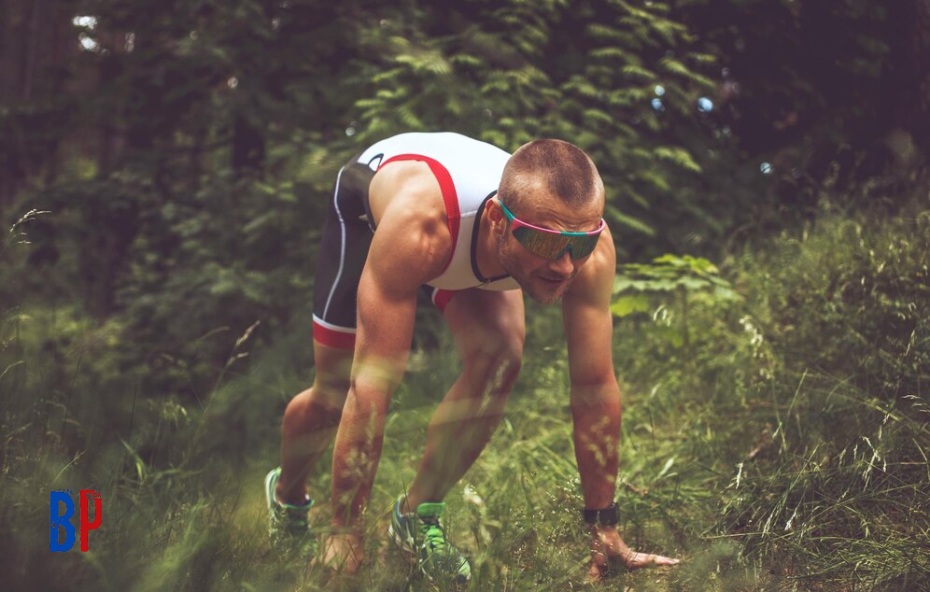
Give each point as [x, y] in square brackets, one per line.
[62, 521]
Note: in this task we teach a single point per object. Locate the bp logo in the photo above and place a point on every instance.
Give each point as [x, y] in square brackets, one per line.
[62, 520]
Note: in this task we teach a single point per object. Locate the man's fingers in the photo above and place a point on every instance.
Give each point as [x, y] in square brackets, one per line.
[596, 572]
[610, 556]
[342, 553]
[605, 566]
[637, 560]
[633, 561]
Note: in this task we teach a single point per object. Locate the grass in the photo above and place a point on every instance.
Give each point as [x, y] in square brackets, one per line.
[788, 453]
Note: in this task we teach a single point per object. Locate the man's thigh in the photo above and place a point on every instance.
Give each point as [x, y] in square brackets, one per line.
[344, 247]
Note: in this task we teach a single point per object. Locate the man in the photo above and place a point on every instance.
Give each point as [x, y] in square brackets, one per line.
[477, 227]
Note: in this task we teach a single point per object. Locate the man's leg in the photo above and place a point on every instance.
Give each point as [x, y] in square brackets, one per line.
[489, 329]
[312, 417]
[311, 420]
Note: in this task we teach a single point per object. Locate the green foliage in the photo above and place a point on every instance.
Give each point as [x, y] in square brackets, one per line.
[581, 71]
[666, 291]
[806, 403]
[859, 301]
[222, 126]
[224, 267]
[778, 456]
[666, 274]
[848, 419]
[163, 194]
[838, 95]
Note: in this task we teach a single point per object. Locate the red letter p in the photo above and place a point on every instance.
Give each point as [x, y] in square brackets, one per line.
[86, 496]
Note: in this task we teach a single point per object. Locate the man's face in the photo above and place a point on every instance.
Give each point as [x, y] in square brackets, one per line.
[544, 280]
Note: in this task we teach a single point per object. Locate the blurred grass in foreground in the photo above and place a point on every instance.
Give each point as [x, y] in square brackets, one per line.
[775, 441]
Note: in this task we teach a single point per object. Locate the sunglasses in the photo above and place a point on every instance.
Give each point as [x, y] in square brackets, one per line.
[552, 244]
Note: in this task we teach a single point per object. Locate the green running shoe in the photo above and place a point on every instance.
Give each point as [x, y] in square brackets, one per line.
[288, 525]
[420, 533]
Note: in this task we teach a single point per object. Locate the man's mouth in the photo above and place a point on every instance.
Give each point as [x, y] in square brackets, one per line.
[553, 280]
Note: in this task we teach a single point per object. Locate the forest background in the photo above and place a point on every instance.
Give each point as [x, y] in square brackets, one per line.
[165, 171]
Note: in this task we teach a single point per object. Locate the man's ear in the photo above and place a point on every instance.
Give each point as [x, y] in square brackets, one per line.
[496, 215]
[495, 210]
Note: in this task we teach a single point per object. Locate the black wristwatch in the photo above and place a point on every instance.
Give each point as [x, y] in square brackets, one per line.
[609, 516]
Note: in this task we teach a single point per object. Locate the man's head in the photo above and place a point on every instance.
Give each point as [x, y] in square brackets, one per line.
[549, 184]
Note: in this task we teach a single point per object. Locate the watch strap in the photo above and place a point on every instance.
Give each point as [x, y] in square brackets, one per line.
[609, 516]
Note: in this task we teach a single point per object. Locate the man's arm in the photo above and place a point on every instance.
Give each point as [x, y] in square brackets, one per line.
[410, 247]
[595, 403]
[595, 395]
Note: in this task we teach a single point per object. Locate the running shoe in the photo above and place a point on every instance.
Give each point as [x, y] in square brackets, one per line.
[288, 525]
[420, 533]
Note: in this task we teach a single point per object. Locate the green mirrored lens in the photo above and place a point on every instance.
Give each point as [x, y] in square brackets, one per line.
[582, 246]
[552, 246]
[542, 244]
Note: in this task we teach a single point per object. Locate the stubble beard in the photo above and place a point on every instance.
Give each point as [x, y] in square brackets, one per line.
[533, 286]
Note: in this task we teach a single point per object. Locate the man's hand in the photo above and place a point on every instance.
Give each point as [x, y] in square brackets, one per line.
[343, 552]
[610, 555]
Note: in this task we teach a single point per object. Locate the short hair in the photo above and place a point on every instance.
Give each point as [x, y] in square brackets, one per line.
[559, 168]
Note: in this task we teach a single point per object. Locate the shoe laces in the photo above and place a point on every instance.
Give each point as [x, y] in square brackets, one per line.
[433, 535]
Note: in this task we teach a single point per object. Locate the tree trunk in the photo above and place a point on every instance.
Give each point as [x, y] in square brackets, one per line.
[920, 50]
[30, 56]
[248, 148]
[907, 85]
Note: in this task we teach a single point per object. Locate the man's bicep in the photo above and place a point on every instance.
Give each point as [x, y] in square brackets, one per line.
[399, 261]
[589, 333]
[589, 323]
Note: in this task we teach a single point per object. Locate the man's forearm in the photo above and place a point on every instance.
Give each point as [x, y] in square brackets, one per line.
[596, 414]
[356, 453]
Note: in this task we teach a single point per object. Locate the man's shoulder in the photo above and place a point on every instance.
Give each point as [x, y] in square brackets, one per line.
[407, 190]
[412, 235]
[594, 283]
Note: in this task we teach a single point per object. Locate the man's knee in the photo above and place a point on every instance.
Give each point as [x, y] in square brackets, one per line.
[319, 406]
[331, 383]
[331, 390]
[333, 368]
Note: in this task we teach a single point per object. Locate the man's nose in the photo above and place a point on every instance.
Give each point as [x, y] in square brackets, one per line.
[563, 265]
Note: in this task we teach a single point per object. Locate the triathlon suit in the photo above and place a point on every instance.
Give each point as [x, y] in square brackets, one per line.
[468, 172]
